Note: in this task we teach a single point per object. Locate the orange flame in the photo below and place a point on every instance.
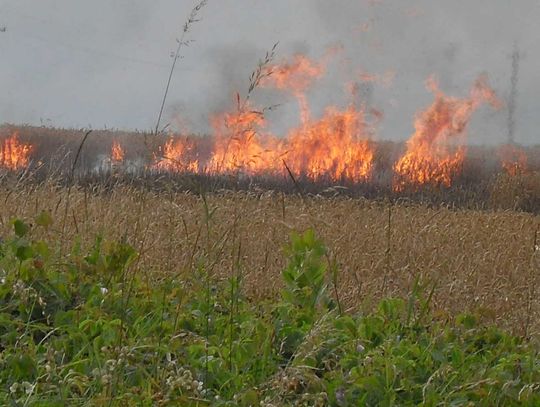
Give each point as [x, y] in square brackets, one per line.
[117, 152]
[296, 77]
[336, 146]
[174, 157]
[239, 144]
[14, 155]
[513, 159]
[333, 147]
[430, 157]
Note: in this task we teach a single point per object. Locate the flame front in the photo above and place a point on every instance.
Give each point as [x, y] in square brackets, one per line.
[332, 147]
[436, 151]
[14, 155]
[239, 144]
[335, 147]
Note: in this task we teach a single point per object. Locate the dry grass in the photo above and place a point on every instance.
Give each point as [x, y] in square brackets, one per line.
[518, 192]
[480, 261]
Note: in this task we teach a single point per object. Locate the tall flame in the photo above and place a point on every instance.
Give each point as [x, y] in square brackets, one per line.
[435, 152]
[296, 77]
[239, 144]
[14, 155]
[117, 153]
[333, 147]
[336, 146]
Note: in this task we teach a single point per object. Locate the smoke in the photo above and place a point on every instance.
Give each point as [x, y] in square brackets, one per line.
[513, 95]
[105, 63]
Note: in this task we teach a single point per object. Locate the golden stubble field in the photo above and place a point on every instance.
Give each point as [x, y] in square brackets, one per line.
[484, 262]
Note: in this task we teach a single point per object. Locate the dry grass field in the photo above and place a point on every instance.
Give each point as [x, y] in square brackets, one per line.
[481, 262]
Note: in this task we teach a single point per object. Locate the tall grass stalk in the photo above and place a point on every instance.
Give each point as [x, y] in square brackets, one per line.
[261, 71]
[533, 276]
[181, 42]
[71, 179]
[388, 251]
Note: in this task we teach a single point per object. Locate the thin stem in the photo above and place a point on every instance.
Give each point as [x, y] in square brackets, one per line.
[181, 42]
[388, 248]
[71, 177]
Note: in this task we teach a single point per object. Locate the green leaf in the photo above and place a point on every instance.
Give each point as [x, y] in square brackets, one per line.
[21, 228]
[23, 367]
[250, 398]
[24, 252]
[44, 219]
[467, 320]
[41, 248]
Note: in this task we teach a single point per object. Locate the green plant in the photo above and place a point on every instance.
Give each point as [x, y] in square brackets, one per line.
[82, 328]
[304, 296]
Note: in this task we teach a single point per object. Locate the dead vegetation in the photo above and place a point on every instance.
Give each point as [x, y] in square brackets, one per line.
[481, 262]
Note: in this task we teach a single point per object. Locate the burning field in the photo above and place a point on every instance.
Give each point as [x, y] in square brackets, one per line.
[351, 220]
[338, 148]
[299, 259]
[14, 155]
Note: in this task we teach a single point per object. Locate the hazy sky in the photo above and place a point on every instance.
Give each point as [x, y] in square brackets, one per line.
[100, 63]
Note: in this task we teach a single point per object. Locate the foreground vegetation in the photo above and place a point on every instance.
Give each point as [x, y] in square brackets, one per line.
[83, 327]
[481, 261]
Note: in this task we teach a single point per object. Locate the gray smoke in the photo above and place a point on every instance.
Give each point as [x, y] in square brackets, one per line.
[104, 63]
[512, 98]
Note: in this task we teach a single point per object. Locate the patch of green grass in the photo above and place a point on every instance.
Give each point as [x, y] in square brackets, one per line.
[85, 328]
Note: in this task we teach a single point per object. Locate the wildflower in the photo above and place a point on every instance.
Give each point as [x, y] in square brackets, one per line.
[41, 302]
[28, 387]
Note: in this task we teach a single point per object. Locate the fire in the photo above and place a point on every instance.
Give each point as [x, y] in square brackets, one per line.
[435, 152]
[239, 144]
[174, 157]
[333, 147]
[117, 153]
[296, 77]
[513, 159]
[14, 155]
